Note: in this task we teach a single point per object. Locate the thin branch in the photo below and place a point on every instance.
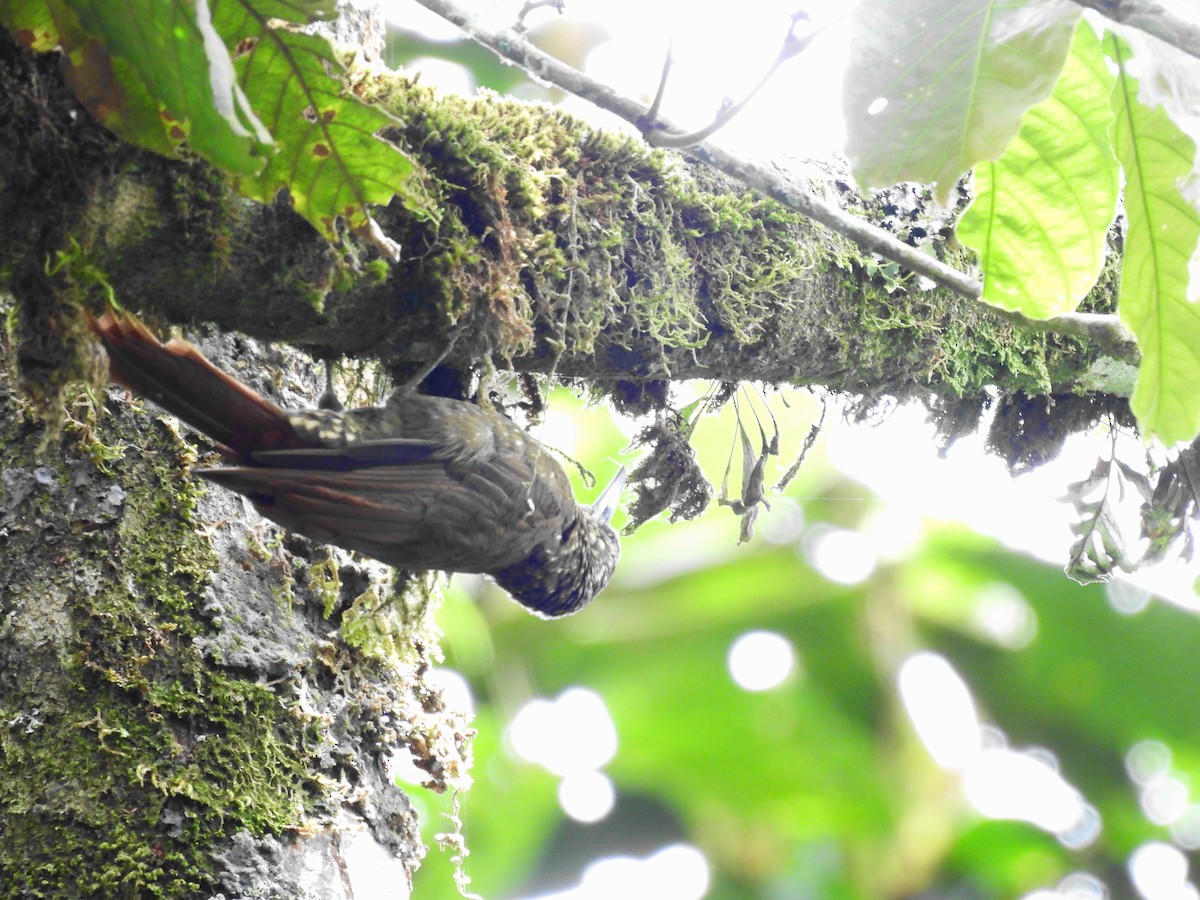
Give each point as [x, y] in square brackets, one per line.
[657, 136]
[1153, 18]
[1105, 330]
[530, 5]
[773, 182]
[668, 61]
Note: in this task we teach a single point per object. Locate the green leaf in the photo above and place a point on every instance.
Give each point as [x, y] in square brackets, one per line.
[156, 73]
[298, 12]
[330, 159]
[31, 23]
[162, 74]
[1041, 212]
[956, 75]
[1163, 232]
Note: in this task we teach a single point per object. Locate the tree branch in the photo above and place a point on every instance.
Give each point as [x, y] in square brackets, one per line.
[773, 182]
[657, 136]
[559, 247]
[1152, 18]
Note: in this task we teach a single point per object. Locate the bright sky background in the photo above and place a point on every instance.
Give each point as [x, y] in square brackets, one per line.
[798, 115]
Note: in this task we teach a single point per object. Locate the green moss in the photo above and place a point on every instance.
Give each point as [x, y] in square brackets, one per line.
[202, 198]
[557, 236]
[934, 342]
[119, 780]
[398, 627]
[324, 579]
[585, 239]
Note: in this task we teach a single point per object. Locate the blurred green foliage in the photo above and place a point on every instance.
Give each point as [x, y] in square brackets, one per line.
[819, 787]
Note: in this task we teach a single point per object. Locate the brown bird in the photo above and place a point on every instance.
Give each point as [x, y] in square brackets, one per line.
[419, 483]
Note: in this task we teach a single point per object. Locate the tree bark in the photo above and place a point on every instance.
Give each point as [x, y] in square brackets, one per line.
[191, 703]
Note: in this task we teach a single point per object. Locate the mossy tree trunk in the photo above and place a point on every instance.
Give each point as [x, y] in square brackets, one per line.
[180, 711]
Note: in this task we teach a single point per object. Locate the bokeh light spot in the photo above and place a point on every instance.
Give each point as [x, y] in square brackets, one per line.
[842, 556]
[571, 734]
[761, 660]
[586, 796]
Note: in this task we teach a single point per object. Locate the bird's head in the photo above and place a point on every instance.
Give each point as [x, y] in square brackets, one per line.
[565, 577]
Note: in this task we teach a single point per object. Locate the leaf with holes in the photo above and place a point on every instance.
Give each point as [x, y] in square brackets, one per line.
[31, 23]
[236, 82]
[157, 73]
[331, 160]
[1103, 501]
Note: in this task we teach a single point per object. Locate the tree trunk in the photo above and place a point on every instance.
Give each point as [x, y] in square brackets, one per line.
[181, 710]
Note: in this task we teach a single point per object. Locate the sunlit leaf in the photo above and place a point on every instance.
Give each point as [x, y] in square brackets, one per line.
[934, 87]
[1041, 211]
[155, 72]
[1161, 197]
[330, 159]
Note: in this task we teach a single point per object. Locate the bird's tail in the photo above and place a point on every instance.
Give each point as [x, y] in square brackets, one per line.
[177, 377]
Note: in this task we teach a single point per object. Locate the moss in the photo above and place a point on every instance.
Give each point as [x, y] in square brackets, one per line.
[120, 778]
[322, 577]
[564, 239]
[202, 198]
[398, 628]
[556, 232]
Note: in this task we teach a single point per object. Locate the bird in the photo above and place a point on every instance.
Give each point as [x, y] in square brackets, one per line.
[421, 482]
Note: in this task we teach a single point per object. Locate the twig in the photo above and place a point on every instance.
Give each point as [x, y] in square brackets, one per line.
[1105, 330]
[531, 5]
[657, 136]
[652, 113]
[1153, 18]
[774, 183]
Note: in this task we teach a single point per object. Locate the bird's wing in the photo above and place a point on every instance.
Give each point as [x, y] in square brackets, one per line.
[356, 455]
[425, 515]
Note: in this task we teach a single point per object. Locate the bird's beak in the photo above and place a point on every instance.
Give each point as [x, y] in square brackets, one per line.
[610, 497]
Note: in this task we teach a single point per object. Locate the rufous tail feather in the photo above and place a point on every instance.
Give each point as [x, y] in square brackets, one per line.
[177, 377]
